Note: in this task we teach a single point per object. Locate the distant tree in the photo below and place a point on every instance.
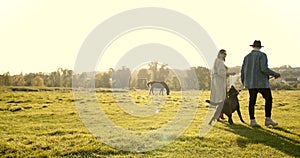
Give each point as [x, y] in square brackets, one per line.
[1, 80]
[106, 78]
[143, 76]
[102, 80]
[18, 80]
[51, 80]
[133, 83]
[98, 80]
[75, 80]
[6, 79]
[175, 84]
[203, 76]
[28, 78]
[37, 81]
[47, 80]
[143, 73]
[67, 78]
[191, 80]
[59, 77]
[121, 78]
[153, 69]
[111, 72]
[83, 79]
[163, 73]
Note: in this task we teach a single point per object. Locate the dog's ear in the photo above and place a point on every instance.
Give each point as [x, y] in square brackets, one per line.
[238, 91]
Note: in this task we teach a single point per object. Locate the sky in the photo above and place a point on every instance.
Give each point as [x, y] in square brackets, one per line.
[44, 35]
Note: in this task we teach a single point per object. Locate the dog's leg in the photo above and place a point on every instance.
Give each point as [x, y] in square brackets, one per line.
[230, 119]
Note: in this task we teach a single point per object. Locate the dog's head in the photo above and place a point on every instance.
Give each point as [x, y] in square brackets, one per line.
[232, 91]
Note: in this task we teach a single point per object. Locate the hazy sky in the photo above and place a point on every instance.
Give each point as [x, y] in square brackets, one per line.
[43, 35]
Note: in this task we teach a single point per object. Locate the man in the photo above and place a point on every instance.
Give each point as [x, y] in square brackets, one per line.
[255, 77]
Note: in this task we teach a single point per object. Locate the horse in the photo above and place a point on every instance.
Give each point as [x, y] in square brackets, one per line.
[159, 85]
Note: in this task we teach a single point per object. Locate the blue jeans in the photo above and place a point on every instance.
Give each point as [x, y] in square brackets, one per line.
[267, 95]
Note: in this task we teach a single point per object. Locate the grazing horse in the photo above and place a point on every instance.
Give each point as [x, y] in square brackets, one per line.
[159, 85]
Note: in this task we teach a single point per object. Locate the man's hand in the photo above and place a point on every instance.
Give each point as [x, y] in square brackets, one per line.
[277, 75]
[231, 73]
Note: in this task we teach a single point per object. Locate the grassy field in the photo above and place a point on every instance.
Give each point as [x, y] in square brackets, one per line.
[47, 124]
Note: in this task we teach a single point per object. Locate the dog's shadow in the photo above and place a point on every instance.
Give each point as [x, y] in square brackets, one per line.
[259, 135]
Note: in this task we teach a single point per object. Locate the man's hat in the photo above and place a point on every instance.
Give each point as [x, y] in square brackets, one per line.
[256, 43]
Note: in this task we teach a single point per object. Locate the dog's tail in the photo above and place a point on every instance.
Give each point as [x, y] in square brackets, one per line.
[212, 103]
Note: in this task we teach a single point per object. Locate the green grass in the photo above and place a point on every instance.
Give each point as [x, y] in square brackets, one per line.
[47, 124]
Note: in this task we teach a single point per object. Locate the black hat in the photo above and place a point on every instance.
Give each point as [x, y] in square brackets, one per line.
[256, 43]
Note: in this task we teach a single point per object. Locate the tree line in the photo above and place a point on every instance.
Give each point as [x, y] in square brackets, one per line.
[119, 78]
[125, 78]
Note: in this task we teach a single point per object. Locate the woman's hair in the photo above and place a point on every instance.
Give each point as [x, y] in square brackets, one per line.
[222, 51]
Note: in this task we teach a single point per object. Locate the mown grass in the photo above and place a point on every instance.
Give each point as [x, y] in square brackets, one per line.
[47, 124]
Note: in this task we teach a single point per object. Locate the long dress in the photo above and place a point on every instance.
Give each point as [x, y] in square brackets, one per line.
[218, 87]
[218, 95]
[218, 83]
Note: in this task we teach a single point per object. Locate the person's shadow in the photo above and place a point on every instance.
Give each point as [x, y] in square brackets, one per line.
[258, 135]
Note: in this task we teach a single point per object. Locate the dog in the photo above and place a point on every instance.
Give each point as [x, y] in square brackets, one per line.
[231, 104]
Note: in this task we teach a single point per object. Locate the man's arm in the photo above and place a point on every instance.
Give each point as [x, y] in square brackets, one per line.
[264, 67]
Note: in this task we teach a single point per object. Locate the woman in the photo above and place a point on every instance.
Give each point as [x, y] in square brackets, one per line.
[219, 84]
